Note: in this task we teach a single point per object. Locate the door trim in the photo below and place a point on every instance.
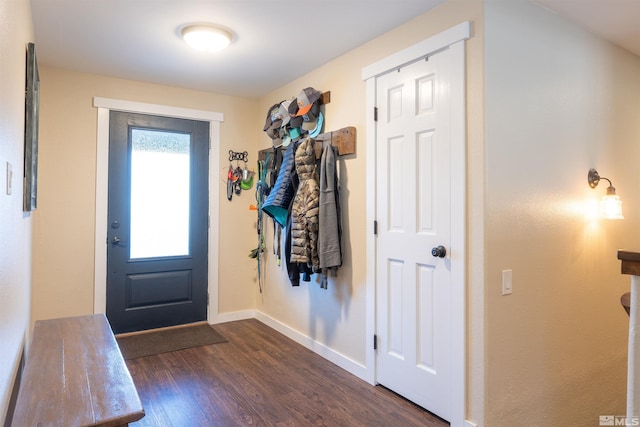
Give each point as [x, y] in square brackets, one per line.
[104, 105]
[452, 39]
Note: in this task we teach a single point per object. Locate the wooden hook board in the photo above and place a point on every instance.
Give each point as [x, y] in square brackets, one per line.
[325, 98]
[343, 139]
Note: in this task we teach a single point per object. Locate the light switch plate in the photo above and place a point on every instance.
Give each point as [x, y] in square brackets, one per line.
[9, 179]
[507, 282]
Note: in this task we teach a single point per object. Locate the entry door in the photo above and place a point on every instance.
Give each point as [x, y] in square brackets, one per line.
[413, 290]
[158, 221]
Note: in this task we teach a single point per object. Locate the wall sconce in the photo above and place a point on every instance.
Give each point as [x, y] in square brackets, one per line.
[610, 205]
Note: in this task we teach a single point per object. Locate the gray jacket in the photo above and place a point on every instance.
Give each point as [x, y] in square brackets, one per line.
[329, 227]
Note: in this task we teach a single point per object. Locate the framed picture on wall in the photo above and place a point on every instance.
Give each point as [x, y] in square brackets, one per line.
[32, 105]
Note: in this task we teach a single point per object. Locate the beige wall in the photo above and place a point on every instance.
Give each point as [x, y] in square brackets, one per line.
[63, 253]
[16, 31]
[336, 317]
[558, 102]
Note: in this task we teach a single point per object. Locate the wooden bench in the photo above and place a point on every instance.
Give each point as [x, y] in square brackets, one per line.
[75, 376]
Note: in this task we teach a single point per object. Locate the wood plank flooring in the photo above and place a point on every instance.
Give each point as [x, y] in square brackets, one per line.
[262, 378]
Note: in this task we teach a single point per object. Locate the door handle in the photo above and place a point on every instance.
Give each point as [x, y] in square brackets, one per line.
[117, 242]
[439, 251]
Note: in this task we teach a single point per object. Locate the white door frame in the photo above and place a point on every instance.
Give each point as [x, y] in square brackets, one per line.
[454, 40]
[104, 106]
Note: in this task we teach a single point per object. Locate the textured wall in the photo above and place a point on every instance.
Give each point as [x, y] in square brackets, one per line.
[15, 226]
[558, 102]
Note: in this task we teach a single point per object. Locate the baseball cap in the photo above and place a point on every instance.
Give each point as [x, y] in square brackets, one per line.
[318, 129]
[306, 98]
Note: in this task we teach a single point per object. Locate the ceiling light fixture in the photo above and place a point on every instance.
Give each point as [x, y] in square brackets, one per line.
[207, 38]
[611, 205]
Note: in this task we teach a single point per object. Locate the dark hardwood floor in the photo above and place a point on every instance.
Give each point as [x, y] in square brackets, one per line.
[262, 378]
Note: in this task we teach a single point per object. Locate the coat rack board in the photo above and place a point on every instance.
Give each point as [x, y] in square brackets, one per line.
[343, 139]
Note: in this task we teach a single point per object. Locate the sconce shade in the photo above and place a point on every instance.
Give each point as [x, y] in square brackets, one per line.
[611, 204]
[207, 38]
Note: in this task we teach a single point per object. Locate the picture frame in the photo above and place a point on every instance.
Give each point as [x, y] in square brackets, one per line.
[32, 109]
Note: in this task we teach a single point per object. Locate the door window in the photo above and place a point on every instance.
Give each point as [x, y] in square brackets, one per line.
[160, 179]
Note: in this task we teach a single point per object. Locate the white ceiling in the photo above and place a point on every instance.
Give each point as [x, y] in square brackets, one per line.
[275, 41]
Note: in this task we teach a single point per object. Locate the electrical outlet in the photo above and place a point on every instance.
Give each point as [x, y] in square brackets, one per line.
[507, 282]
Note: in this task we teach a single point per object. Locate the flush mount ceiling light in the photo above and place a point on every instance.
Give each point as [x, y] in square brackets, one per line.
[611, 205]
[208, 38]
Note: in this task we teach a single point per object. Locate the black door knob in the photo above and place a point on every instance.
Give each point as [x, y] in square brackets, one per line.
[439, 251]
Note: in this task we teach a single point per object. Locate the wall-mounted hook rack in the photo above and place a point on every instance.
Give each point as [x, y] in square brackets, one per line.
[343, 139]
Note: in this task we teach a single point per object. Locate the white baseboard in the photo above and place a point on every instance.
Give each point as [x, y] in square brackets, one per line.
[331, 355]
[233, 316]
[468, 423]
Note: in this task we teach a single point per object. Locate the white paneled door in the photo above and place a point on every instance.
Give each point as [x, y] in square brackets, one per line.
[413, 211]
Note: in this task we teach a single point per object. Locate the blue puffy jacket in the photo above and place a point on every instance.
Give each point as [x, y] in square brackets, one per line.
[278, 203]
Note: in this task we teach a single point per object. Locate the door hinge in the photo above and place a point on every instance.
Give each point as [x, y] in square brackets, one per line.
[375, 114]
[375, 342]
[375, 227]
[207, 299]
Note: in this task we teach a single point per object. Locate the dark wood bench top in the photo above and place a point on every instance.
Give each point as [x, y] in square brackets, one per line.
[630, 262]
[75, 376]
